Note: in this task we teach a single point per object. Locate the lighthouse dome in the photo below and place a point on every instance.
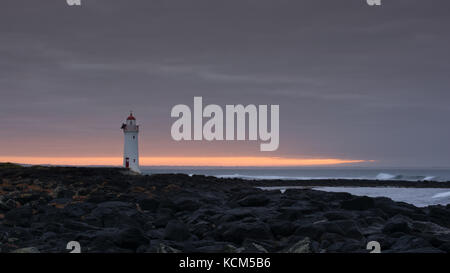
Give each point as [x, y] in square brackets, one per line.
[131, 117]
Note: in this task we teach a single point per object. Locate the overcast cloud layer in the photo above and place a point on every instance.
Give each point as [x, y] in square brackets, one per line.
[352, 81]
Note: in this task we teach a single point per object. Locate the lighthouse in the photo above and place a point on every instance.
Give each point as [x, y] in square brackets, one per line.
[131, 146]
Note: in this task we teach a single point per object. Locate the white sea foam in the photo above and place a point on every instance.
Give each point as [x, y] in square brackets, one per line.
[420, 197]
[380, 176]
[442, 195]
[385, 176]
[276, 177]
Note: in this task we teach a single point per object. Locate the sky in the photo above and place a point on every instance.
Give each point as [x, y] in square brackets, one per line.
[355, 84]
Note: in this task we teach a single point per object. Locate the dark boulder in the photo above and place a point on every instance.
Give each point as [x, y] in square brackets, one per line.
[7, 204]
[358, 203]
[187, 204]
[339, 215]
[149, 204]
[236, 232]
[282, 228]
[409, 242]
[130, 238]
[19, 216]
[397, 224]
[177, 231]
[255, 200]
[313, 231]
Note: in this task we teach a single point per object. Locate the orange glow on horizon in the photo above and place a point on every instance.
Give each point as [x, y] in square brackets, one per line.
[240, 161]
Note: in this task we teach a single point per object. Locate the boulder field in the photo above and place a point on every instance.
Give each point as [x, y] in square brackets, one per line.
[111, 210]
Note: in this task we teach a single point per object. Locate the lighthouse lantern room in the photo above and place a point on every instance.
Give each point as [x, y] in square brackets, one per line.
[131, 146]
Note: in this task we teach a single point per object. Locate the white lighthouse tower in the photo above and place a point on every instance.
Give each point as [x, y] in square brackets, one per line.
[131, 146]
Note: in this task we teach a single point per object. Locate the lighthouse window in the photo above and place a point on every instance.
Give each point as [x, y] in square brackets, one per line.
[134, 137]
[134, 160]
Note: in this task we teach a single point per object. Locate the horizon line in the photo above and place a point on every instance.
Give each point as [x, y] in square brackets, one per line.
[189, 161]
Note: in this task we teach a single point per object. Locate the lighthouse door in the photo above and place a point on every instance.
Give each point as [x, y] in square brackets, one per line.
[127, 162]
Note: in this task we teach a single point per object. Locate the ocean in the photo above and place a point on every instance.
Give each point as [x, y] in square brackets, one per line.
[417, 196]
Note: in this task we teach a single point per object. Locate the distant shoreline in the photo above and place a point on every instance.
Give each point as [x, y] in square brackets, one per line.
[279, 182]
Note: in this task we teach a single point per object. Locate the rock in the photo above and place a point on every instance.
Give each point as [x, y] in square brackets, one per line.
[201, 228]
[338, 215]
[256, 200]
[19, 216]
[408, 242]
[347, 228]
[297, 212]
[26, 250]
[312, 231]
[48, 236]
[65, 194]
[232, 249]
[187, 204]
[77, 210]
[177, 231]
[440, 214]
[397, 224]
[130, 238]
[392, 208]
[445, 247]
[236, 232]
[302, 246]
[257, 247]
[149, 204]
[12, 240]
[114, 205]
[424, 250]
[347, 246]
[115, 213]
[385, 241]
[162, 248]
[282, 228]
[7, 204]
[358, 203]
[111, 239]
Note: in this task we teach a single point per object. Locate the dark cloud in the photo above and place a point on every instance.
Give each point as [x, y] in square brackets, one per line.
[352, 80]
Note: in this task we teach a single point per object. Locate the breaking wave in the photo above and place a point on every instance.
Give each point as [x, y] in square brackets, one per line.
[380, 176]
[442, 195]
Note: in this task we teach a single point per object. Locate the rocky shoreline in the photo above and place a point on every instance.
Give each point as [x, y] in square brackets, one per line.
[110, 210]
